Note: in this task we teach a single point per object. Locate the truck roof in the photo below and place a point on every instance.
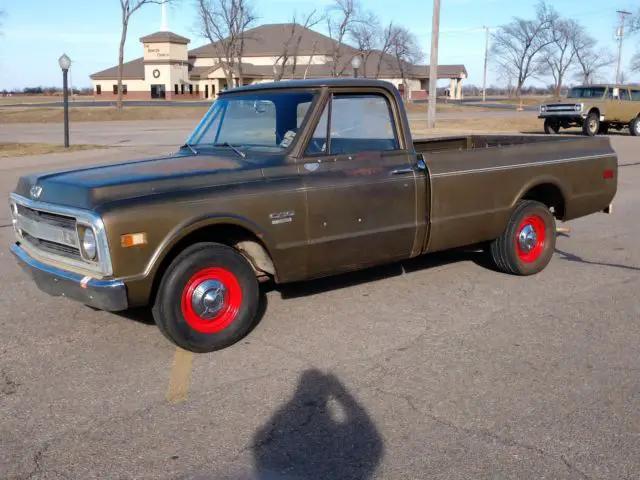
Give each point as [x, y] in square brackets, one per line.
[314, 83]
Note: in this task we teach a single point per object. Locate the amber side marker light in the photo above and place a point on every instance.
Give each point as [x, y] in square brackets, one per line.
[133, 239]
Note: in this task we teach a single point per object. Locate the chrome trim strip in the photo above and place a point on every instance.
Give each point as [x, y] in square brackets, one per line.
[519, 165]
[86, 217]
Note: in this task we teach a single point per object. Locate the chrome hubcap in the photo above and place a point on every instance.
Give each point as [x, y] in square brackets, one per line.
[527, 238]
[208, 298]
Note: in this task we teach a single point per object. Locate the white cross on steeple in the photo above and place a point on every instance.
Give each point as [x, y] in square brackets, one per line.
[164, 27]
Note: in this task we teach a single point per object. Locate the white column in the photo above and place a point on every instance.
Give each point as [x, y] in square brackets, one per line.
[164, 26]
[459, 90]
[452, 88]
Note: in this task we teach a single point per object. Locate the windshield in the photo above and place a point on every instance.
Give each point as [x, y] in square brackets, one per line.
[586, 92]
[261, 120]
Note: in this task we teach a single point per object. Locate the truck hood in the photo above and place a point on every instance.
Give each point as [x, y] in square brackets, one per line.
[89, 187]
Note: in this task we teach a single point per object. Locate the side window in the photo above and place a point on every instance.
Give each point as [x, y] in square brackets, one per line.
[361, 123]
[318, 143]
[624, 94]
[635, 95]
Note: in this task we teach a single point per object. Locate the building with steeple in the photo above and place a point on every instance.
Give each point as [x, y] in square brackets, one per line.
[168, 70]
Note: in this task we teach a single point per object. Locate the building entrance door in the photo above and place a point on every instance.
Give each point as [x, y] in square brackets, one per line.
[158, 91]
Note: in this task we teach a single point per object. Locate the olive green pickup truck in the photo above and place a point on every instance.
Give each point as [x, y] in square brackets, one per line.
[291, 181]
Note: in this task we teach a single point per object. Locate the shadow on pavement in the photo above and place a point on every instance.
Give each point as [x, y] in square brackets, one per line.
[575, 258]
[372, 274]
[321, 433]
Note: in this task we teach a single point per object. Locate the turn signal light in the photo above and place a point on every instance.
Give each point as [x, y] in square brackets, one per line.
[133, 239]
[607, 174]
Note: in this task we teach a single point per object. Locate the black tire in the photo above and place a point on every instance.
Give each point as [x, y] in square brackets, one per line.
[178, 319]
[634, 127]
[591, 125]
[504, 250]
[551, 126]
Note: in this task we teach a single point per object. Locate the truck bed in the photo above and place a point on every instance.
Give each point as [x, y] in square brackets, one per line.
[475, 181]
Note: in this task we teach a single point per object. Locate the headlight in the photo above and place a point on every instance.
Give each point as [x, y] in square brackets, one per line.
[543, 109]
[89, 244]
[579, 107]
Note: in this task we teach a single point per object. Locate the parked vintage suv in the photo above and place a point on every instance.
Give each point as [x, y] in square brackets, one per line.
[595, 108]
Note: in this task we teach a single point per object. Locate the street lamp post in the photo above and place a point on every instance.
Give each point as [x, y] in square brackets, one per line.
[65, 62]
[356, 62]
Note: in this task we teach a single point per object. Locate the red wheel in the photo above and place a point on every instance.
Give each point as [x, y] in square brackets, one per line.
[530, 239]
[211, 300]
[208, 298]
[528, 242]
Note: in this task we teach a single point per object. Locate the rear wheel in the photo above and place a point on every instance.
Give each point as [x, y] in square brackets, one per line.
[528, 243]
[591, 125]
[208, 298]
[634, 127]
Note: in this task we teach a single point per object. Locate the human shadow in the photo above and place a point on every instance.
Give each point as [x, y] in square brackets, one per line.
[321, 433]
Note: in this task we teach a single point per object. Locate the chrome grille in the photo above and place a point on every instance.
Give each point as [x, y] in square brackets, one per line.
[49, 232]
[51, 218]
[52, 247]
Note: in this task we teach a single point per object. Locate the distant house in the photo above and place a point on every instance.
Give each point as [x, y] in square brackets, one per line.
[169, 70]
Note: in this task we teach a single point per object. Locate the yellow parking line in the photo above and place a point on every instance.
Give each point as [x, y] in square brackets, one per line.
[178, 390]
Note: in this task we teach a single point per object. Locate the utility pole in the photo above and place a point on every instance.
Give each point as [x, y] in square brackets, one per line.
[486, 61]
[620, 34]
[433, 68]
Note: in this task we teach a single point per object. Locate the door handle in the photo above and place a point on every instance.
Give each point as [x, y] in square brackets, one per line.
[401, 171]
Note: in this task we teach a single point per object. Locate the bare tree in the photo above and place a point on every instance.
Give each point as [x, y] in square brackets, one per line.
[224, 23]
[590, 61]
[341, 16]
[129, 7]
[386, 43]
[635, 63]
[291, 45]
[520, 43]
[366, 34]
[406, 51]
[560, 55]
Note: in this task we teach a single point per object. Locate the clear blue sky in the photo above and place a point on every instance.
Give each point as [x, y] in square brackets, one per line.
[35, 34]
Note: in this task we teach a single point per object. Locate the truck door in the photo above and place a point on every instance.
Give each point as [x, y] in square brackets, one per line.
[360, 186]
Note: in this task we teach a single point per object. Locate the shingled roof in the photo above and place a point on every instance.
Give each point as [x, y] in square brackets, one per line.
[269, 41]
[165, 37]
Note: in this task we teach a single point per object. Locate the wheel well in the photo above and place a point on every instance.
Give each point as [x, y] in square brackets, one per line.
[595, 110]
[550, 195]
[243, 240]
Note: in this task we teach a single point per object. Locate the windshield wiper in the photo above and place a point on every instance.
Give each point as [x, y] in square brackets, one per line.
[190, 148]
[235, 149]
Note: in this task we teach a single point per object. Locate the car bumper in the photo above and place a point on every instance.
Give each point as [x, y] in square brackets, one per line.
[571, 116]
[109, 295]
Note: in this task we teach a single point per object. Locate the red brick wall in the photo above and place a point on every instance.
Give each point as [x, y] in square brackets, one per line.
[130, 95]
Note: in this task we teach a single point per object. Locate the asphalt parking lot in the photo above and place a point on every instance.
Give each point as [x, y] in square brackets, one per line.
[437, 368]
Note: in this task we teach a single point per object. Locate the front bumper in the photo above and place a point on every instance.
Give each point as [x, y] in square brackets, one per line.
[109, 295]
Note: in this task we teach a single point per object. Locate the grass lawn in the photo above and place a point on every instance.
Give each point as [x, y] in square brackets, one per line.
[102, 114]
[22, 149]
[521, 123]
[98, 114]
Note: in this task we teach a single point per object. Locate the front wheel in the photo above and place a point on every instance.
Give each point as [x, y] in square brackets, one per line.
[591, 125]
[551, 127]
[208, 298]
[528, 243]
[634, 127]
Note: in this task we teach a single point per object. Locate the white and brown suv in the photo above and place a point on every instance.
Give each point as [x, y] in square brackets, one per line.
[595, 108]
